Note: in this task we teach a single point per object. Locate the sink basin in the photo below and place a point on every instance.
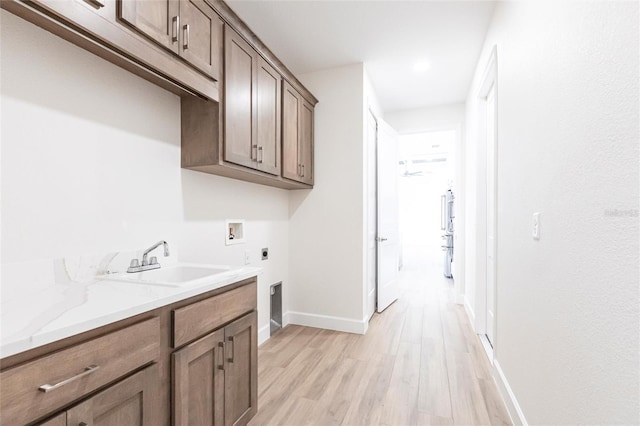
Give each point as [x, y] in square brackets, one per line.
[172, 276]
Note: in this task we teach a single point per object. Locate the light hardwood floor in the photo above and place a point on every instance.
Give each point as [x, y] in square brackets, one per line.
[419, 364]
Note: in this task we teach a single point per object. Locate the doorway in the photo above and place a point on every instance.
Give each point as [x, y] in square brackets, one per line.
[426, 173]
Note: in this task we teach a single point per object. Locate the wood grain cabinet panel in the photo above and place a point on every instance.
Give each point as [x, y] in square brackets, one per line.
[297, 136]
[59, 420]
[132, 402]
[268, 115]
[189, 28]
[306, 141]
[156, 19]
[239, 101]
[291, 101]
[201, 32]
[198, 382]
[93, 364]
[197, 319]
[215, 377]
[241, 370]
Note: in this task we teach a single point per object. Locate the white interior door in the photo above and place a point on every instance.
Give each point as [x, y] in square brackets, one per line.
[388, 229]
[372, 223]
[491, 212]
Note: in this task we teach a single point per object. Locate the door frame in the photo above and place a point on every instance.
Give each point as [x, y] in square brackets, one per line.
[489, 81]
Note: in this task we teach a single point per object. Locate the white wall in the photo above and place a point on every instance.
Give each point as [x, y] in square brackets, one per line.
[419, 120]
[433, 119]
[568, 312]
[326, 230]
[91, 164]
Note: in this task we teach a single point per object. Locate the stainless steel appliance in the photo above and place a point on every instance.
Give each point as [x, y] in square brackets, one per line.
[446, 224]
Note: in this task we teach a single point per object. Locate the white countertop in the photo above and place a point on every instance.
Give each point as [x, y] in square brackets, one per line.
[57, 311]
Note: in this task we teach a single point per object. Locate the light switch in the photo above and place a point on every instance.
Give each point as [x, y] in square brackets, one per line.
[535, 233]
[247, 257]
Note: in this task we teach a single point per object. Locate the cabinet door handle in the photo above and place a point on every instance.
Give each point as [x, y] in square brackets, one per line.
[232, 345]
[260, 154]
[174, 30]
[302, 166]
[221, 346]
[254, 152]
[96, 3]
[186, 37]
[88, 370]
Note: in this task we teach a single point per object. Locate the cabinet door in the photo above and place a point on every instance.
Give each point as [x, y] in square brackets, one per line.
[268, 118]
[241, 374]
[198, 382]
[290, 132]
[201, 36]
[239, 100]
[133, 402]
[305, 145]
[156, 19]
[59, 420]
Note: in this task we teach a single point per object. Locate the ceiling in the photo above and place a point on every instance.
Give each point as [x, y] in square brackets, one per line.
[389, 37]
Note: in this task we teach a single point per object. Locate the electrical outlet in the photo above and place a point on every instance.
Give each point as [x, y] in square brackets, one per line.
[535, 232]
[247, 257]
[265, 253]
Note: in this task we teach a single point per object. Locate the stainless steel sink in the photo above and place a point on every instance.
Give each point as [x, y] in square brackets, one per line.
[172, 276]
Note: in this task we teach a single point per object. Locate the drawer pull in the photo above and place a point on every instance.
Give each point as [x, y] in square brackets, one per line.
[232, 344]
[221, 346]
[48, 388]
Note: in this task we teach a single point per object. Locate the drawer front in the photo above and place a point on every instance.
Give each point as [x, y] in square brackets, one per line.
[202, 317]
[98, 362]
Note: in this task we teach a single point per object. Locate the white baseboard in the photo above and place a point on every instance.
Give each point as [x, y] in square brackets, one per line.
[328, 322]
[264, 333]
[517, 416]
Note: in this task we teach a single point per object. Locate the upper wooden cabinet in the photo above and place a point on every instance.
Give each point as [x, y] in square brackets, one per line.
[157, 20]
[297, 136]
[268, 118]
[251, 107]
[239, 100]
[189, 28]
[231, 85]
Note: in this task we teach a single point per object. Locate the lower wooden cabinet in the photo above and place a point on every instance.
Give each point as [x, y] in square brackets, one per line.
[241, 370]
[215, 377]
[193, 362]
[130, 402]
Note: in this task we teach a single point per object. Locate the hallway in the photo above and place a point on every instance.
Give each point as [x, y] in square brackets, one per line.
[418, 364]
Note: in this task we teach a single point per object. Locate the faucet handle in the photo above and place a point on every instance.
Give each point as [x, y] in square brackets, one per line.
[134, 263]
[153, 261]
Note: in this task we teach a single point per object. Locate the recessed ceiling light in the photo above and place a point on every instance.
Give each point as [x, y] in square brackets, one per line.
[421, 66]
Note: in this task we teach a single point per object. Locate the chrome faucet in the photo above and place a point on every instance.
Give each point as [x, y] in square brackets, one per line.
[148, 264]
